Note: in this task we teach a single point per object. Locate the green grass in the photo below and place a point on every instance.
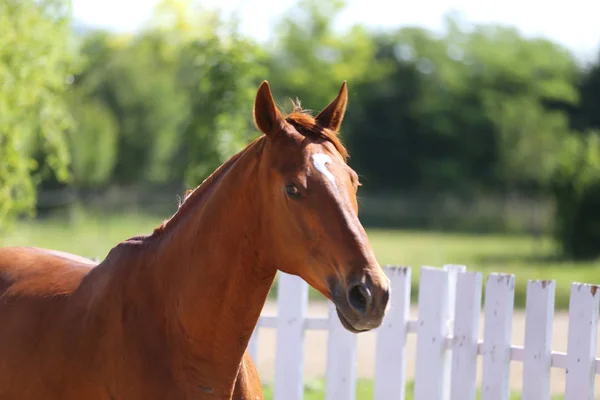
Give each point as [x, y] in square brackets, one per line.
[96, 234]
[315, 390]
[520, 255]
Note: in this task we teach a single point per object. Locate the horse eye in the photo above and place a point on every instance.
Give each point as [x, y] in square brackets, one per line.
[292, 191]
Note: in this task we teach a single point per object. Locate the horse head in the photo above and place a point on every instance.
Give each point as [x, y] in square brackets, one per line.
[313, 225]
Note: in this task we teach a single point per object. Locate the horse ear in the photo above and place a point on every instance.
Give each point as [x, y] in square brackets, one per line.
[267, 117]
[331, 117]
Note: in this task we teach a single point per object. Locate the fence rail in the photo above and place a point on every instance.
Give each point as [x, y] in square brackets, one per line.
[448, 342]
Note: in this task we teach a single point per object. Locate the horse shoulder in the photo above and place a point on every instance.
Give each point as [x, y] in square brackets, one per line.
[247, 383]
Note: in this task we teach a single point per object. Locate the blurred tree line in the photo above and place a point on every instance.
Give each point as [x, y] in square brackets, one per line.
[476, 110]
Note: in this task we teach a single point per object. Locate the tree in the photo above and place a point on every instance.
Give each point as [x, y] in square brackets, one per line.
[93, 143]
[308, 60]
[468, 111]
[586, 114]
[519, 82]
[138, 84]
[220, 78]
[575, 185]
[36, 60]
[181, 94]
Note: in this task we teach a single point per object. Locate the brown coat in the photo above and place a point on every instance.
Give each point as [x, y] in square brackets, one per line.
[169, 315]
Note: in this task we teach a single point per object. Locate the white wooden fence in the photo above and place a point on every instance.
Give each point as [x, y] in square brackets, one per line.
[448, 345]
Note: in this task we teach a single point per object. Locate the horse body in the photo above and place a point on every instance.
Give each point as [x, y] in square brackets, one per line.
[169, 315]
[138, 315]
[61, 331]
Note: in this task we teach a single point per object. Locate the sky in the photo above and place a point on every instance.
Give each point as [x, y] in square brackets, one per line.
[572, 23]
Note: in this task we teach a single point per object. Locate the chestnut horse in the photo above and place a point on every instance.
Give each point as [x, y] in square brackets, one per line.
[169, 315]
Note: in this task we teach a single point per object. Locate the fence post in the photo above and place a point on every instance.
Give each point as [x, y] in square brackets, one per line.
[292, 301]
[431, 333]
[390, 351]
[466, 336]
[453, 271]
[581, 343]
[499, 300]
[341, 360]
[537, 357]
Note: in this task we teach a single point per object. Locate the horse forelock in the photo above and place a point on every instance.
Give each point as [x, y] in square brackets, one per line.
[307, 125]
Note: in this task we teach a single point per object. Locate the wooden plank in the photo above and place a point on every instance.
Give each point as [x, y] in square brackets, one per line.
[537, 351]
[499, 300]
[581, 343]
[341, 360]
[431, 334]
[292, 302]
[466, 336]
[453, 271]
[390, 351]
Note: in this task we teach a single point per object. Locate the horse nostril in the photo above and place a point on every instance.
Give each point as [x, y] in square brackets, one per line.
[359, 297]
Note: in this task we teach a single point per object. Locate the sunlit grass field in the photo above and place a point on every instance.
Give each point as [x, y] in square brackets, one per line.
[94, 234]
[315, 390]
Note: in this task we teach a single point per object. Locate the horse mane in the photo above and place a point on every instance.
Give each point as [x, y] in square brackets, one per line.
[191, 195]
[307, 125]
[299, 118]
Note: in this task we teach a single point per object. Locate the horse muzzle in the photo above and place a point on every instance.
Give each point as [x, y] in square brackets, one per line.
[361, 305]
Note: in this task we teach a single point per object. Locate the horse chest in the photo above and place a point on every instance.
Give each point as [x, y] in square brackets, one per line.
[247, 384]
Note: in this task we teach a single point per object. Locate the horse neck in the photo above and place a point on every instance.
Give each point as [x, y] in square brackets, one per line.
[215, 273]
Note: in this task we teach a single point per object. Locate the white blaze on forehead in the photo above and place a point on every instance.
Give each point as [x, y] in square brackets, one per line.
[320, 161]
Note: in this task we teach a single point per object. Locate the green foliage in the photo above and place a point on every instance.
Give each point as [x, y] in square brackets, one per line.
[463, 112]
[528, 139]
[585, 114]
[138, 86]
[35, 61]
[92, 144]
[220, 80]
[309, 60]
[477, 111]
[181, 93]
[576, 187]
